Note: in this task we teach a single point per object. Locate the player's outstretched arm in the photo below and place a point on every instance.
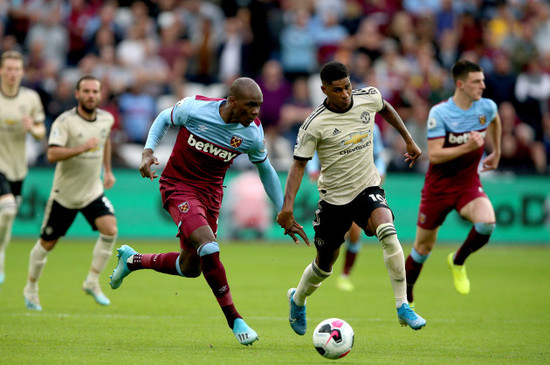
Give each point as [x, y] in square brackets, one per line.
[285, 218]
[271, 182]
[390, 115]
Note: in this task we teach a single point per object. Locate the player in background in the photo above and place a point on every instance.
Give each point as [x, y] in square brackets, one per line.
[456, 133]
[341, 131]
[353, 237]
[21, 112]
[212, 132]
[79, 143]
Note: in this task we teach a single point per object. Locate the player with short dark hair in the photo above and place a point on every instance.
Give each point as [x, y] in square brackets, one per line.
[21, 112]
[341, 131]
[212, 133]
[457, 129]
[79, 144]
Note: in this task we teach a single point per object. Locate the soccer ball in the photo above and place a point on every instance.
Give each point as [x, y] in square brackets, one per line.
[333, 338]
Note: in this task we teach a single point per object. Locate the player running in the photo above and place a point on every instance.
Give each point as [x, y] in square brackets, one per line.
[341, 131]
[21, 112]
[456, 141]
[213, 132]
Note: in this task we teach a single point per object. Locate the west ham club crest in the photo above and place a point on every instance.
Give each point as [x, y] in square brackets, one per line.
[236, 141]
[184, 207]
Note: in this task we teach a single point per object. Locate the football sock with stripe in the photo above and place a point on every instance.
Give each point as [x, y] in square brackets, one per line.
[214, 273]
[311, 279]
[477, 238]
[394, 261]
[413, 266]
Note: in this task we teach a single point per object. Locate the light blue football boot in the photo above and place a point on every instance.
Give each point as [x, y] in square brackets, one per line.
[2, 277]
[95, 291]
[297, 317]
[407, 317]
[244, 333]
[121, 271]
[32, 301]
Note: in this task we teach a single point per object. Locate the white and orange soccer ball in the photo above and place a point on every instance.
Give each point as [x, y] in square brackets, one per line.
[333, 338]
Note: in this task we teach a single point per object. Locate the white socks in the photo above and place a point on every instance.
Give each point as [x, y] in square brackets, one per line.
[310, 281]
[8, 211]
[394, 261]
[37, 260]
[103, 250]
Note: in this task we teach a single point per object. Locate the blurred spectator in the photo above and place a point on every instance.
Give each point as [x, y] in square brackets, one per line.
[276, 90]
[247, 191]
[532, 93]
[470, 32]
[137, 112]
[173, 48]
[105, 19]
[520, 46]
[368, 39]
[298, 47]
[448, 54]
[421, 7]
[80, 12]
[501, 81]
[295, 110]
[50, 31]
[520, 152]
[328, 34]
[235, 51]
[131, 51]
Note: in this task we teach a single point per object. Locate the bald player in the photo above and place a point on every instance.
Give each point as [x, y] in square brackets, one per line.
[212, 133]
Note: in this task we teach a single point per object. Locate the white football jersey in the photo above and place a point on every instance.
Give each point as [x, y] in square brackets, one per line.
[77, 180]
[344, 143]
[13, 157]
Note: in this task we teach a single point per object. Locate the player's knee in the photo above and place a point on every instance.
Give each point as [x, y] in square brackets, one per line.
[208, 248]
[109, 231]
[484, 228]
[387, 235]
[8, 209]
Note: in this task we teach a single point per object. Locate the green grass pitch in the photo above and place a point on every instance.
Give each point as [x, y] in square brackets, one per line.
[161, 319]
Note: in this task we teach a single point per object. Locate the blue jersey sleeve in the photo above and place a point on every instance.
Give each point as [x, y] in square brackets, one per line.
[158, 129]
[258, 151]
[180, 111]
[436, 124]
[271, 183]
[492, 109]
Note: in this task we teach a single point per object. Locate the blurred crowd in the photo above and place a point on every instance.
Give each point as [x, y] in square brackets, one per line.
[149, 54]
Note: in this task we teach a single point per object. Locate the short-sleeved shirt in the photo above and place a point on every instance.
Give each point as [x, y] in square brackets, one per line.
[77, 180]
[206, 145]
[344, 143]
[13, 157]
[446, 120]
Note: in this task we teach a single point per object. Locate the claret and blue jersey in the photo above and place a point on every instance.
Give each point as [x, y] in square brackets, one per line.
[447, 120]
[206, 145]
